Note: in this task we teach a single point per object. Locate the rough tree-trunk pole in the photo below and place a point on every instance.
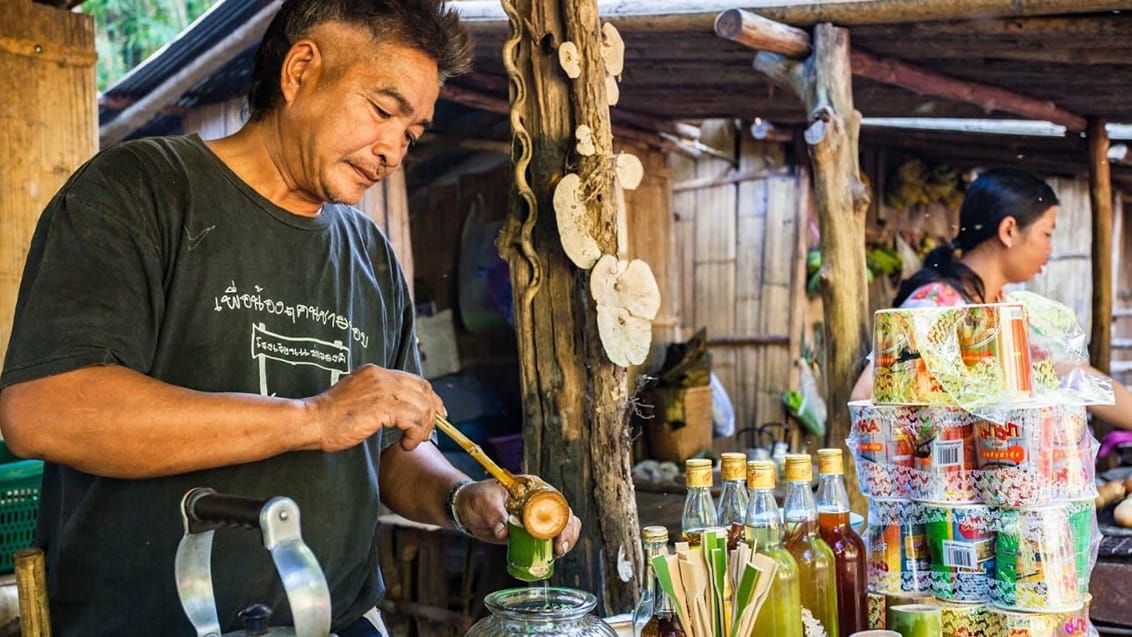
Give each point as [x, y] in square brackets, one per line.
[1100, 195]
[575, 408]
[824, 84]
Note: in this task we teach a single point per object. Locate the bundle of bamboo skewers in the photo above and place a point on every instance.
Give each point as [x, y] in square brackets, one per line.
[716, 592]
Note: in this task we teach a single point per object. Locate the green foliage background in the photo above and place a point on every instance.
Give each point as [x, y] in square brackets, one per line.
[128, 31]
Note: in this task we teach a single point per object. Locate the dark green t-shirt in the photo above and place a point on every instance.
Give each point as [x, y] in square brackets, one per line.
[155, 256]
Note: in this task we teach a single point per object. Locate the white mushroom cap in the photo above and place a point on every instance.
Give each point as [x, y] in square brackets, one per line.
[639, 291]
[603, 280]
[573, 224]
[585, 136]
[629, 170]
[625, 284]
[612, 90]
[625, 338]
[570, 59]
[612, 49]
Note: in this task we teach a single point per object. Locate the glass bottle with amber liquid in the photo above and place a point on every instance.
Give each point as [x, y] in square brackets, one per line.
[699, 509]
[850, 558]
[654, 541]
[662, 620]
[816, 565]
[733, 496]
[781, 614]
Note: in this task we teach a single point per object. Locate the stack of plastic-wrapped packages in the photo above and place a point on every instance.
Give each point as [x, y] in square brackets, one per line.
[978, 464]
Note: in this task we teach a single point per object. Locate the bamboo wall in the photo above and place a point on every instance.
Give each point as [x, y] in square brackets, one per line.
[387, 203]
[736, 253]
[48, 125]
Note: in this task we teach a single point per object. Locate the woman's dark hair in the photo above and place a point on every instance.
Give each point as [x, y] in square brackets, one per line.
[994, 196]
[427, 25]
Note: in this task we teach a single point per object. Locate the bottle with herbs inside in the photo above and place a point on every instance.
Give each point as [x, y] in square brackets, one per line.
[733, 497]
[816, 565]
[699, 509]
[660, 618]
[654, 541]
[848, 549]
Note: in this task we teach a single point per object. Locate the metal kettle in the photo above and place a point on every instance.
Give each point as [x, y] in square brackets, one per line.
[204, 511]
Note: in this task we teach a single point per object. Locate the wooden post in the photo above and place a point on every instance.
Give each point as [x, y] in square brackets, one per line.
[575, 402]
[1100, 195]
[48, 125]
[824, 84]
[31, 584]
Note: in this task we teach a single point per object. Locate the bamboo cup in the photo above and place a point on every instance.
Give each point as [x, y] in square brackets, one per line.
[542, 509]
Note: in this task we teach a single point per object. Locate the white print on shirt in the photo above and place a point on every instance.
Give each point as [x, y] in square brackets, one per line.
[333, 357]
[194, 242]
[232, 299]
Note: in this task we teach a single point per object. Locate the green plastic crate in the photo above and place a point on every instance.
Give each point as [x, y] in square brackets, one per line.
[19, 504]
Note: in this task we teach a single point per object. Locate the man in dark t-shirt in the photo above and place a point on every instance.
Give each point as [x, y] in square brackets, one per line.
[218, 314]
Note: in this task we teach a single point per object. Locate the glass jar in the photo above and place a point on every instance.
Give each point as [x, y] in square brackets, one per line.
[540, 610]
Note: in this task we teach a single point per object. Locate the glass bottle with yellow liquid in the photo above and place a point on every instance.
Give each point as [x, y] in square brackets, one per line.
[848, 548]
[699, 509]
[816, 565]
[781, 614]
[733, 496]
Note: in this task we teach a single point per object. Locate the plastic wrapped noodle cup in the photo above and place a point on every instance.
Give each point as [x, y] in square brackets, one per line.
[1035, 561]
[966, 355]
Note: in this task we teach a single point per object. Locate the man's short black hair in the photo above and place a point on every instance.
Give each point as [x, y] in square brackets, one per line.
[427, 25]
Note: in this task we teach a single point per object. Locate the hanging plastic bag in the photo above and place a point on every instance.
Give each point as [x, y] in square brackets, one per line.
[722, 412]
[806, 403]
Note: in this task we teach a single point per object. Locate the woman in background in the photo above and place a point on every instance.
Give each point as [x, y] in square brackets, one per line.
[1006, 224]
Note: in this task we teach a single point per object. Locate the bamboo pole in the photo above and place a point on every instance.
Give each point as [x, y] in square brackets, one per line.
[760, 33]
[31, 584]
[1100, 196]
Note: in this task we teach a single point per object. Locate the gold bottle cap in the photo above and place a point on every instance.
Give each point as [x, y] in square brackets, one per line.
[830, 462]
[799, 467]
[697, 473]
[655, 534]
[734, 466]
[761, 474]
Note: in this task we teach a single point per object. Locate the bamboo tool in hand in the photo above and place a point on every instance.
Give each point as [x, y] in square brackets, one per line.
[542, 509]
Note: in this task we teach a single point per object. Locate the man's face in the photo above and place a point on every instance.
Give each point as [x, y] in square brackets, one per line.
[357, 112]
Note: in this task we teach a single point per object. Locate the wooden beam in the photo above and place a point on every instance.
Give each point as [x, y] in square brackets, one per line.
[681, 15]
[759, 33]
[495, 104]
[749, 341]
[756, 32]
[1100, 196]
[990, 98]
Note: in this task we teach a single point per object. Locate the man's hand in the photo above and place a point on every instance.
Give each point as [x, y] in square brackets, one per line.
[482, 510]
[373, 397]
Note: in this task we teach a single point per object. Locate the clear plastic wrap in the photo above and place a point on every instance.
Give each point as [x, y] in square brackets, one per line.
[982, 356]
[1025, 455]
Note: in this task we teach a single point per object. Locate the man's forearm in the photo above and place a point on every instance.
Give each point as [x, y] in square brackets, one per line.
[116, 422]
[416, 483]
